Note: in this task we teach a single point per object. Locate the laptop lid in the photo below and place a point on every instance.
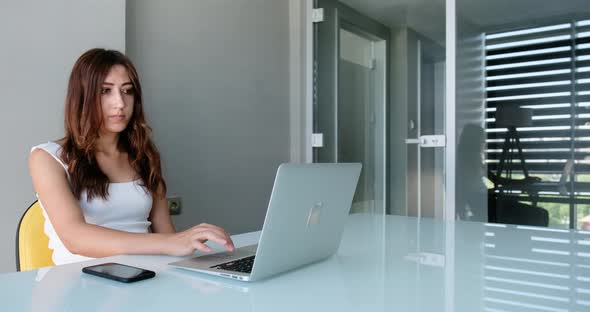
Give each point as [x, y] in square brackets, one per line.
[306, 215]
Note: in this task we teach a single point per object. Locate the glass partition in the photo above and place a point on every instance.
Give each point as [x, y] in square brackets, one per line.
[523, 121]
[379, 78]
[521, 112]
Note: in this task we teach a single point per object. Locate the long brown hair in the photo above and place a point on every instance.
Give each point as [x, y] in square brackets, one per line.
[83, 120]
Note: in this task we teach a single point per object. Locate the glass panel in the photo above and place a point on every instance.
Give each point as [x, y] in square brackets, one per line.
[523, 128]
[351, 55]
[361, 122]
[389, 82]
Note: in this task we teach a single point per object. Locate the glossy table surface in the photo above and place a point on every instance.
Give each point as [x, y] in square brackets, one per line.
[384, 264]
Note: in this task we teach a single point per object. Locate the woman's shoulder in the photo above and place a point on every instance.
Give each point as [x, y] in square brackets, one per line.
[53, 148]
[50, 146]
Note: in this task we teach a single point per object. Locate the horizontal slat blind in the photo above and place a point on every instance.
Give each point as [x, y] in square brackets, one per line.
[582, 96]
[532, 68]
[546, 69]
[547, 272]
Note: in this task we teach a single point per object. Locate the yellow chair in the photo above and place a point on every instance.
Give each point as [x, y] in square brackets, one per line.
[32, 245]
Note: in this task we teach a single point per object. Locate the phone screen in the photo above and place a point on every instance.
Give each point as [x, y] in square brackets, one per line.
[118, 271]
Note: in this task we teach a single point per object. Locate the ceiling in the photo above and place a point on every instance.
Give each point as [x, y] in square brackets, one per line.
[428, 16]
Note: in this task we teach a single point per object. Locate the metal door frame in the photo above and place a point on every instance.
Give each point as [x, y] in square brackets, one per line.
[339, 16]
[450, 101]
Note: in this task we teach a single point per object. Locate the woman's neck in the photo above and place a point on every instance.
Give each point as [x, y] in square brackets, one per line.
[108, 144]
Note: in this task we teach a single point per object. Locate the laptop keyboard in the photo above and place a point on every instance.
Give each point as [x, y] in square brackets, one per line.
[243, 265]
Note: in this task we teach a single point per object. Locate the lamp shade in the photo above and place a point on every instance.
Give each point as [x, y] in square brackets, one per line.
[513, 116]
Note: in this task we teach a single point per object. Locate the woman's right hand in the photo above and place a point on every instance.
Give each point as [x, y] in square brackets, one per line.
[186, 242]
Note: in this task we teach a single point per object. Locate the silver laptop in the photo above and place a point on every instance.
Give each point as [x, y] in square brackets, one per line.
[306, 214]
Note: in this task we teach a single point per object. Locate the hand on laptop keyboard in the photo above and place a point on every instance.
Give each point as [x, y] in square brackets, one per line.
[186, 242]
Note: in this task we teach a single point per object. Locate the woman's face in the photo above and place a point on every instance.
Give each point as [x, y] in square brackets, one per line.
[117, 99]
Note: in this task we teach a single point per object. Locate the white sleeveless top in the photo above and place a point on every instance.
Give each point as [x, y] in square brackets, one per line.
[126, 208]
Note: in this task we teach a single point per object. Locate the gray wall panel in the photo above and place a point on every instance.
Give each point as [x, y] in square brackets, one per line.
[216, 79]
[41, 40]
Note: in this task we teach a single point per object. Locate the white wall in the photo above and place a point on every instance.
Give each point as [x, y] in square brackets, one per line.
[40, 41]
[216, 79]
[300, 76]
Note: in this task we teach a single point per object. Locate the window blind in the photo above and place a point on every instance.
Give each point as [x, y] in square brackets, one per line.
[546, 69]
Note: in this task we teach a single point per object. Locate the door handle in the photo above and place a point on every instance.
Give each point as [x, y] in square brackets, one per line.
[439, 140]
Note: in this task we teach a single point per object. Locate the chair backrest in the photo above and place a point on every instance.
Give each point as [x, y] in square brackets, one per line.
[32, 245]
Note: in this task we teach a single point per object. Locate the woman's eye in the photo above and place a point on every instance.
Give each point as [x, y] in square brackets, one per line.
[105, 90]
[128, 91]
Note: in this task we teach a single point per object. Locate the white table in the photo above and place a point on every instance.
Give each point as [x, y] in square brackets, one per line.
[384, 264]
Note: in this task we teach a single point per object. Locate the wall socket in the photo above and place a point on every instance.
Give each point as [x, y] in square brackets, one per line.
[174, 205]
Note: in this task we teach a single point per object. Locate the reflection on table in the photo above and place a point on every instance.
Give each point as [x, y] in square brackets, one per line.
[384, 264]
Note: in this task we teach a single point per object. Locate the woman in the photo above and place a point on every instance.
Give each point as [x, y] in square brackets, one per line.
[101, 186]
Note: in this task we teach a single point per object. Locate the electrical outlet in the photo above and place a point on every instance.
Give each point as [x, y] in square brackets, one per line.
[175, 205]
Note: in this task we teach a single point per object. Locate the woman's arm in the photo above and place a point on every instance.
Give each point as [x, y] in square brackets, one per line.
[160, 215]
[51, 184]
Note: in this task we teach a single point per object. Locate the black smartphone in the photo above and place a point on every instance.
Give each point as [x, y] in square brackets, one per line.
[119, 272]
